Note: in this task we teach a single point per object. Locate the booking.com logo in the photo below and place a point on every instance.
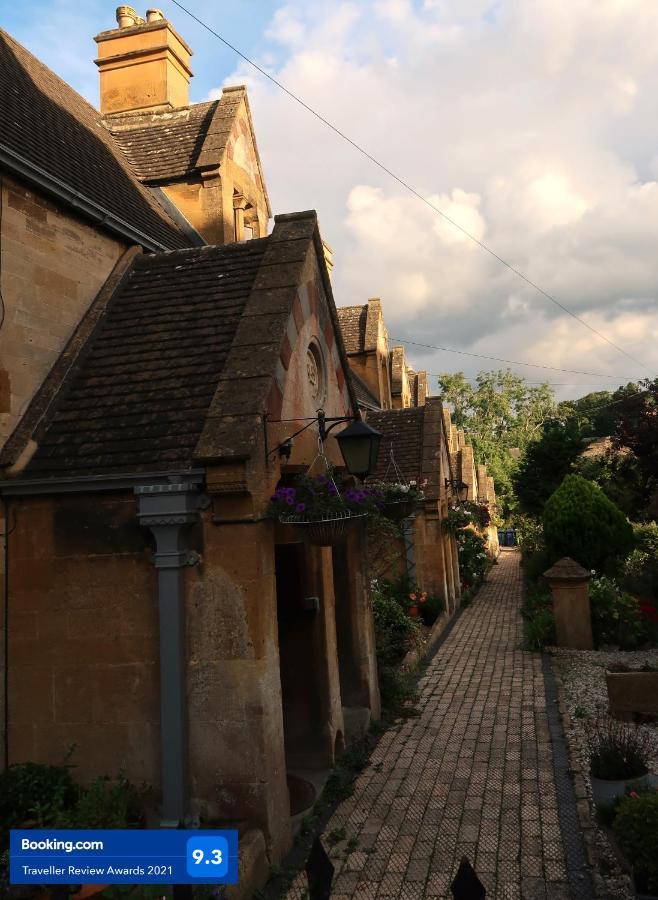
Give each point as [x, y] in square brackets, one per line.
[67, 846]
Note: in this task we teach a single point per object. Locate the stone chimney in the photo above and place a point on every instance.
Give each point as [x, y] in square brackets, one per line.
[144, 65]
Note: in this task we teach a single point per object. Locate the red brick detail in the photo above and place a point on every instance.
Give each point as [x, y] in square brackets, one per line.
[328, 332]
[286, 352]
[297, 313]
[312, 298]
[275, 400]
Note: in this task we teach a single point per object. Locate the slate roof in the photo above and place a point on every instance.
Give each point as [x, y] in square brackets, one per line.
[139, 396]
[62, 137]
[414, 435]
[174, 146]
[168, 148]
[364, 395]
[353, 320]
[402, 431]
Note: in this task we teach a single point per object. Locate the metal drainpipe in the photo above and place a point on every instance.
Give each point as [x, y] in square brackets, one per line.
[168, 510]
[408, 533]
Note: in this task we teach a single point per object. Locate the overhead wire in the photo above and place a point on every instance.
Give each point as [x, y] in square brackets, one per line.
[407, 186]
[512, 362]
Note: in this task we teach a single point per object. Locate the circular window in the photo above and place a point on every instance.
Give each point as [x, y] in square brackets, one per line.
[315, 373]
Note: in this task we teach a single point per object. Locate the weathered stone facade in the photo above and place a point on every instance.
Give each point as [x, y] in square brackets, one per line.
[414, 447]
[251, 718]
[382, 378]
[53, 267]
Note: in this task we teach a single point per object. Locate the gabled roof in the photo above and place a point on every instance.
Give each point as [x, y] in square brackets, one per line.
[412, 438]
[364, 395]
[166, 147]
[182, 362]
[52, 138]
[353, 321]
[139, 398]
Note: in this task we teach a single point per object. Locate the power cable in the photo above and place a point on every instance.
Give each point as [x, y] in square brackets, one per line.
[406, 185]
[513, 362]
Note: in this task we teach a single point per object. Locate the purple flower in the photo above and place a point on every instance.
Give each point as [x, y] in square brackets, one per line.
[290, 501]
[331, 489]
[300, 507]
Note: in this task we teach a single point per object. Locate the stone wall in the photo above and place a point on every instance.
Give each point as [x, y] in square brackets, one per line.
[53, 265]
[83, 636]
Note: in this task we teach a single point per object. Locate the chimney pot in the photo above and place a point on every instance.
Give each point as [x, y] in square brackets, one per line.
[154, 15]
[126, 16]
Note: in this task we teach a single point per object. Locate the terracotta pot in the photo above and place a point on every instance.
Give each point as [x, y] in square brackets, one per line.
[413, 612]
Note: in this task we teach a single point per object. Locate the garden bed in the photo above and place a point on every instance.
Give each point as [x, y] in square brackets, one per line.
[581, 676]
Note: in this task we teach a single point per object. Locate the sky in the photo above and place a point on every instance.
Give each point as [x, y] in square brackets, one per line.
[533, 124]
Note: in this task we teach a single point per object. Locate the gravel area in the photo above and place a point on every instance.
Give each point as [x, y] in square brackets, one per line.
[582, 676]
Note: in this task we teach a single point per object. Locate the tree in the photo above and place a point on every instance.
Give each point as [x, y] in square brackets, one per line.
[597, 414]
[546, 462]
[499, 413]
[637, 430]
[580, 522]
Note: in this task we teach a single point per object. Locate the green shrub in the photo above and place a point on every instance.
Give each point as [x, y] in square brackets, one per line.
[616, 616]
[640, 572]
[105, 803]
[537, 612]
[636, 828]
[395, 631]
[473, 560]
[31, 791]
[580, 522]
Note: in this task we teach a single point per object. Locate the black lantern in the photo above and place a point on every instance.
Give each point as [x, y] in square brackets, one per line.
[359, 444]
[457, 486]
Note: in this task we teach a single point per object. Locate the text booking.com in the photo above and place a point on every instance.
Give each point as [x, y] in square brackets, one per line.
[50, 844]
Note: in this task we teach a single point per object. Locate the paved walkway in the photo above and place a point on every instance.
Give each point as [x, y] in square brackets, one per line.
[472, 776]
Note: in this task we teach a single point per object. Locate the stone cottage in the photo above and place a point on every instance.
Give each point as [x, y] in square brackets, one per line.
[414, 442]
[156, 617]
[381, 376]
[476, 483]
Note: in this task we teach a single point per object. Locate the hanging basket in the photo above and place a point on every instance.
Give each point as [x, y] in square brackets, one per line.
[397, 510]
[323, 532]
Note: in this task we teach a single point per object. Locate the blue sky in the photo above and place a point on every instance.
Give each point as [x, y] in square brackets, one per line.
[61, 34]
[532, 123]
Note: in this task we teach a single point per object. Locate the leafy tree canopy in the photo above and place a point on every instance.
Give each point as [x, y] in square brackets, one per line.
[597, 414]
[499, 412]
[547, 460]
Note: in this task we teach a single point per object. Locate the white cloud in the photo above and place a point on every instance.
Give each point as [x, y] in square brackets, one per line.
[532, 123]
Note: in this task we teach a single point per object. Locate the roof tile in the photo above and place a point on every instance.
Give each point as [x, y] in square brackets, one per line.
[48, 124]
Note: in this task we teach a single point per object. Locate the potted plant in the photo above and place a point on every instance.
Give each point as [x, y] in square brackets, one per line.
[618, 756]
[635, 827]
[416, 597]
[317, 509]
[398, 498]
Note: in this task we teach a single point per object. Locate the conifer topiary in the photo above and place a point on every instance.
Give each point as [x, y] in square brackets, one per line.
[581, 522]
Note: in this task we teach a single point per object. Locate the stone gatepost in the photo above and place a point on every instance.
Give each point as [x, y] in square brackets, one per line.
[569, 584]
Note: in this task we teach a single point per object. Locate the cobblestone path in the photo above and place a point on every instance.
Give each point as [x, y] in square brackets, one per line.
[472, 776]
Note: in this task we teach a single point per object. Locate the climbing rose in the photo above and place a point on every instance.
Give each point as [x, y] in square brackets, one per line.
[412, 596]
